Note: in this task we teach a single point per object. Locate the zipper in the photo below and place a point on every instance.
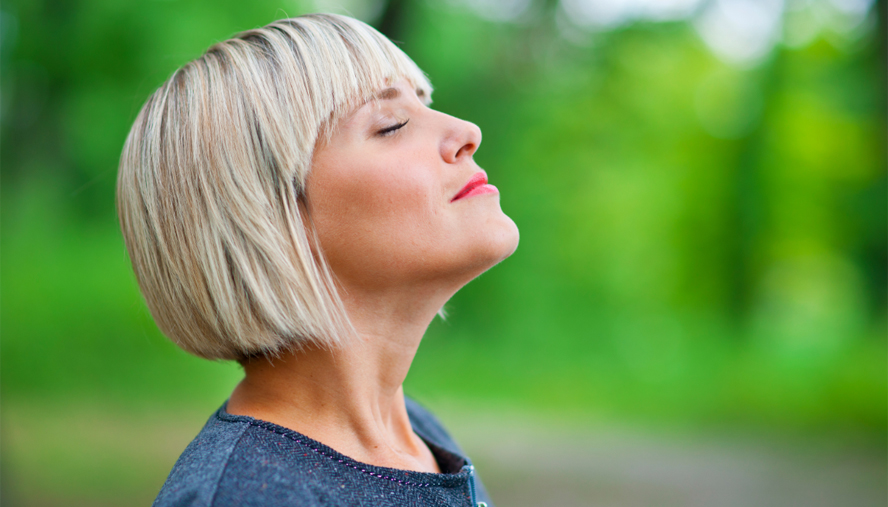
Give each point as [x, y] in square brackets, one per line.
[471, 470]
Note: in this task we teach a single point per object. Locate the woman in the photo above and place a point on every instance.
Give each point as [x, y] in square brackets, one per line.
[290, 201]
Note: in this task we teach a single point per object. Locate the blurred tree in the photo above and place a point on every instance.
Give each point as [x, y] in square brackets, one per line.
[703, 238]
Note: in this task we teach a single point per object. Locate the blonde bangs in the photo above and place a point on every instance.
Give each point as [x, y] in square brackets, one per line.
[354, 66]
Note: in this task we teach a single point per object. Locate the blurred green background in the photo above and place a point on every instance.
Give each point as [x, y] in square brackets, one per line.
[700, 186]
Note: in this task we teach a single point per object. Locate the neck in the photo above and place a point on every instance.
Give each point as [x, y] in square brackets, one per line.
[350, 398]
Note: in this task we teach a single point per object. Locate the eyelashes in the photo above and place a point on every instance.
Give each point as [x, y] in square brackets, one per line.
[387, 131]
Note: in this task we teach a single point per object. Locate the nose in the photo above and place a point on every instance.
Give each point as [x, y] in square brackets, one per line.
[461, 140]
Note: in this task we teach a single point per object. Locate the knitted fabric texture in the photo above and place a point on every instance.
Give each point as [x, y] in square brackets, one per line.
[241, 461]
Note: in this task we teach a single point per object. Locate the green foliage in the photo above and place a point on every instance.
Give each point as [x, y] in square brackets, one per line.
[701, 244]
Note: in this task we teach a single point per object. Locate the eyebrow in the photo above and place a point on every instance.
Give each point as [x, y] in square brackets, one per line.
[388, 94]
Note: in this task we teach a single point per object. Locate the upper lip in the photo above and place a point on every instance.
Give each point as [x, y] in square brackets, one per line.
[477, 179]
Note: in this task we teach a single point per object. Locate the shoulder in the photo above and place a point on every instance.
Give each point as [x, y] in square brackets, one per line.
[240, 461]
[196, 475]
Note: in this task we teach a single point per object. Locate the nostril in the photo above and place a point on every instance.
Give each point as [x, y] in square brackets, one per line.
[467, 150]
[461, 140]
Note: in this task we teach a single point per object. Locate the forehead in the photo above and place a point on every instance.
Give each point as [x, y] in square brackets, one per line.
[398, 91]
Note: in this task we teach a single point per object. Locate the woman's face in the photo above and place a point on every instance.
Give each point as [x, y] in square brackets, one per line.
[397, 200]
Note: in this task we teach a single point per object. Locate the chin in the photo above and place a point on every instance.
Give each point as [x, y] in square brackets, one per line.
[499, 241]
[506, 238]
[491, 242]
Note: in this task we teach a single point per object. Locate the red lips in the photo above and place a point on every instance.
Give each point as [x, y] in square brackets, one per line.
[477, 185]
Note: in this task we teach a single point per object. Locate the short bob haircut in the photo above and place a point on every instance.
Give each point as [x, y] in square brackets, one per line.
[211, 189]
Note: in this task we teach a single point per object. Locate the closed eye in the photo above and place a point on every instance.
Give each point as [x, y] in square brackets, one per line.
[387, 131]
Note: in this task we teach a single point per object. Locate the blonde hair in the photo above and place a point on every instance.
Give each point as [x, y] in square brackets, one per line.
[210, 192]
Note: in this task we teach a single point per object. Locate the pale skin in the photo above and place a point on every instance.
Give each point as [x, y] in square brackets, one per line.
[380, 196]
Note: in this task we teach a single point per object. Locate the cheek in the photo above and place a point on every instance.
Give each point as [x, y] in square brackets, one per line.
[388, 202]
[367, 217]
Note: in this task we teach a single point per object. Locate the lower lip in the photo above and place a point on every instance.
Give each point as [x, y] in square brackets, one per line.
[486, 188]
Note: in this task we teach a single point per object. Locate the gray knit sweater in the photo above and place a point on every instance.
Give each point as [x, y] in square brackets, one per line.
[244, 462]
